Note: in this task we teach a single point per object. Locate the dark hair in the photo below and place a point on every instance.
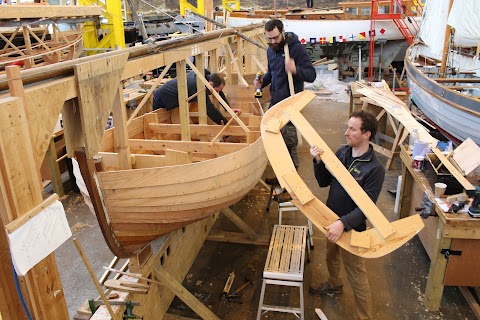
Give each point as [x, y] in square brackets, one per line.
[369, 122]
[216, 79]
[274, 23]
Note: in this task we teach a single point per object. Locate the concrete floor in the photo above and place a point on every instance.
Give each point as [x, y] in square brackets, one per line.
[397, 280]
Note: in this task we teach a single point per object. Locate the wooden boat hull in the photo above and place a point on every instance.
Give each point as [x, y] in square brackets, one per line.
[144, 204]
[315, 210]
[456, 114]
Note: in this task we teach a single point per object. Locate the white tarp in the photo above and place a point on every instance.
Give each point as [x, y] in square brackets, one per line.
[465, 18]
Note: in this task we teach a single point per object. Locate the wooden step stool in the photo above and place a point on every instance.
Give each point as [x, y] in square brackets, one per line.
[290, 207]
[284, 265]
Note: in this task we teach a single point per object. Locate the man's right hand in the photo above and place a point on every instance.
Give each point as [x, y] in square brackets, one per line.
[316, 152]
[256, 83]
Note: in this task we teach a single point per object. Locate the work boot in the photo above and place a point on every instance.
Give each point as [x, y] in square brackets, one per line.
[325, 288]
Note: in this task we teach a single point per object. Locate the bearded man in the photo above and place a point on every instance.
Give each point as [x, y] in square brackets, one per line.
[299, 65]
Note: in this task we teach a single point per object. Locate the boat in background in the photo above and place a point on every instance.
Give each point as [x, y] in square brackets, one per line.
[445, 84]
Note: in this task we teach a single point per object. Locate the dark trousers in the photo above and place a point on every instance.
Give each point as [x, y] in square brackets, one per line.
[289, 134]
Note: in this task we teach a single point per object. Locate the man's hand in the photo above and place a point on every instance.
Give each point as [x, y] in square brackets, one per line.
[256, 83]
[335, 230]
[290, 66]
[316, 152]
[237, 111]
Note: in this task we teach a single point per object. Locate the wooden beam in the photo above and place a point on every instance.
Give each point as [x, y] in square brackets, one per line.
[36, 11]
[199, 129]
[232, 216]
[457, 80]
[183, 294]
[182, 100]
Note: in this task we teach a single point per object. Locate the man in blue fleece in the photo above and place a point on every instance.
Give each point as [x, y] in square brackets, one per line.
[361, 161]
[167, 95]
[299, 65]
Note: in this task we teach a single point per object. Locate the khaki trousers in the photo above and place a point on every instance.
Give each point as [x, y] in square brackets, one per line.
[356, 274]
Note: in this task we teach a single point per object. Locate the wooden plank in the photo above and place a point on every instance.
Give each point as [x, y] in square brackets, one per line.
[201, 99]
[101, 75]
[200, 129]
[457, 80]
[175, 157]
[121, 132]
[237, 237]
[194, 146]
[37, 11]
[215, 93]
[296, 183]
[171, 283]
[182, 100]
[460, 178]
[17, 223]
[333, 164]
[56, 176]
[43, 117]
[360, 239]
[467, 294]
[42, 283]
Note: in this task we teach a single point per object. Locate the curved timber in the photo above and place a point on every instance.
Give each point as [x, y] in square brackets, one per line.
[372, 243]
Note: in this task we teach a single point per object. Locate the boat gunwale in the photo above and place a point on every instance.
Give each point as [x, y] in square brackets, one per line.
[412, 71]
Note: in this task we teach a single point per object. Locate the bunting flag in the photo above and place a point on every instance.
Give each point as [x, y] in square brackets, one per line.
[331, 39]
[303, 40]
[382, 31]
[352, 37]
[372, 33]
[323, 40]
[342, 39]
[363, 35]
[313, 40]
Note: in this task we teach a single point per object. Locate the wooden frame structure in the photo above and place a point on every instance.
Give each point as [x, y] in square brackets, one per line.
[383, 238]
[20, 19]
[29, 111]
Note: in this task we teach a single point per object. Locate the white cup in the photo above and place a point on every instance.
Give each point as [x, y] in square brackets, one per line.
[418, 163]
[440, 189]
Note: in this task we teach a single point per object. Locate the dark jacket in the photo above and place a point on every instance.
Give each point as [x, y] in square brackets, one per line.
[276, 75]
[167, 97]
[369, 173]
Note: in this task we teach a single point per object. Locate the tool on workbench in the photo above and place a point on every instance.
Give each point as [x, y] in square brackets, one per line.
[474, 209]
[128, 314]
[258, 91]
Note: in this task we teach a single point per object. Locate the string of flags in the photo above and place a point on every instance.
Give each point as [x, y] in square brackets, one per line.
[341, 38]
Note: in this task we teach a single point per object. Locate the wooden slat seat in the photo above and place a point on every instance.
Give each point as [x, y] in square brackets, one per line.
[285, 265]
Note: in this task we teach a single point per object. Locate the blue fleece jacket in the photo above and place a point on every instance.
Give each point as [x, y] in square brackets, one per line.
[276, 75]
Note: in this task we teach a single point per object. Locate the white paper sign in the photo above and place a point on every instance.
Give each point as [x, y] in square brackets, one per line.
[39, 237]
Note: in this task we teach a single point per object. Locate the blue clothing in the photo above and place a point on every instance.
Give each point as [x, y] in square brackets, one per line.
[167, 97]
[276, 75]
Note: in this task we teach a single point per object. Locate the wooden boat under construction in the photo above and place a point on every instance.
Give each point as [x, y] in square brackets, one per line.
[378, 241]
[173, 183]
[149, 184]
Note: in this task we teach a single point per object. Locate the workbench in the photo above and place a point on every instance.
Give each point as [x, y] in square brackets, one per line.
[443, 238]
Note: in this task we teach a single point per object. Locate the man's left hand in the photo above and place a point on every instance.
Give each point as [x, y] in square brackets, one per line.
[237, 111]
[290, 66]
[335, 230]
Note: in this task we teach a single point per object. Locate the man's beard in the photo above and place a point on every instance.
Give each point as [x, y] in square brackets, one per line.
[277, 47]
